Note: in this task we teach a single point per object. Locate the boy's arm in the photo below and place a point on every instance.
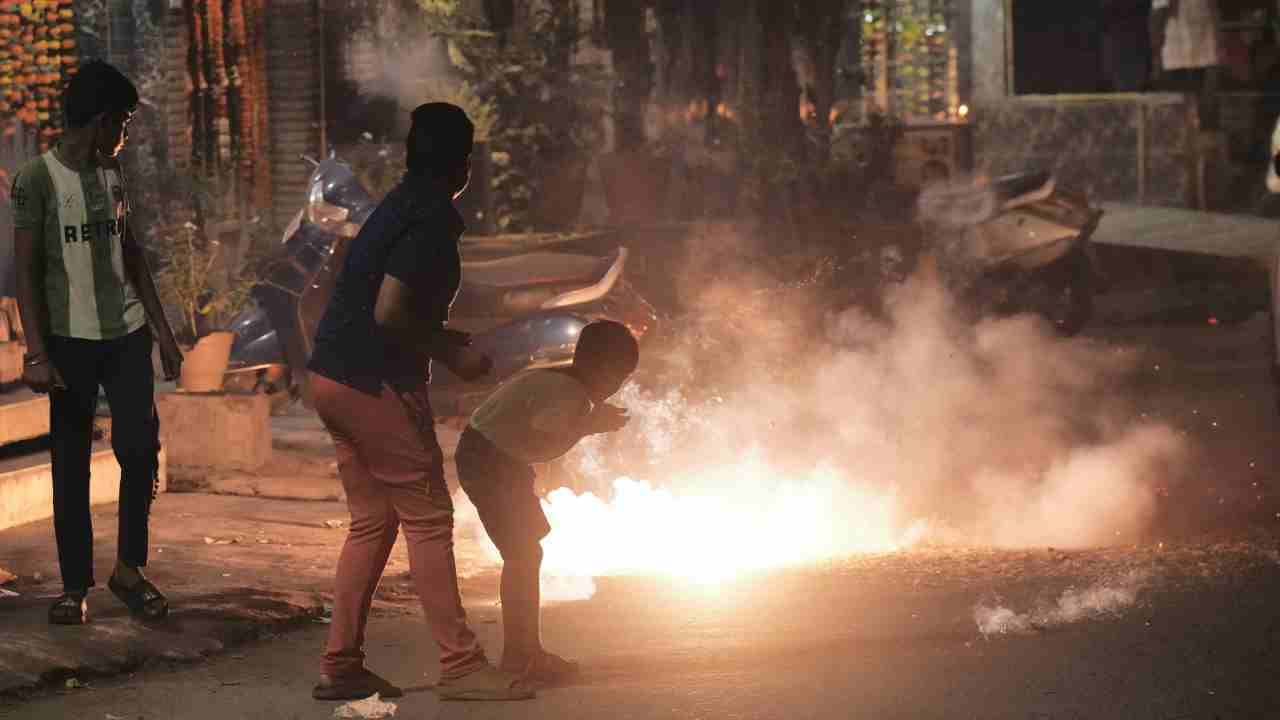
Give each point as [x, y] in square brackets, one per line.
[32, 307]
[28, 254]
[395, 312]
[557, 423]
[417, 261]
[139, 272]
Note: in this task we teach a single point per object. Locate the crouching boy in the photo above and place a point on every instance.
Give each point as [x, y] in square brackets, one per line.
[537, 417]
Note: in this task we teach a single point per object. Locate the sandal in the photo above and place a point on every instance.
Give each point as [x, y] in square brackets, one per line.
[143, 599]
[357, 687]
[69, 609]
[550, 669]
[487, 683]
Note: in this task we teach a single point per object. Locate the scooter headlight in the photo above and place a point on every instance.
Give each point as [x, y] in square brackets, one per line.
[328, 216]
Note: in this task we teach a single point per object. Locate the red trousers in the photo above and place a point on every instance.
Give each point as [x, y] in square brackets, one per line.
[392, 469]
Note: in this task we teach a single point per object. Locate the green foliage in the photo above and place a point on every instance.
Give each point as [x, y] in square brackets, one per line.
[546, 109]
[195, 281]
[483, 113]
[440, 8]
[199, 279]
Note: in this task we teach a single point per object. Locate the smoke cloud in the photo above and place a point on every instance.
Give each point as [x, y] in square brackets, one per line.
[998, 434]
[397, 58]
[776, 425]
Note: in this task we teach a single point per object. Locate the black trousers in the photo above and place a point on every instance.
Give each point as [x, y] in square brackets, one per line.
[121, 367]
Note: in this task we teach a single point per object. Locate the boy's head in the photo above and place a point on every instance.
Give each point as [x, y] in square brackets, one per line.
[439, 144]
[606, 355]
[100, 100]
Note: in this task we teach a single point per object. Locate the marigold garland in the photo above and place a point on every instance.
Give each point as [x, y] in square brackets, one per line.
[38, 55]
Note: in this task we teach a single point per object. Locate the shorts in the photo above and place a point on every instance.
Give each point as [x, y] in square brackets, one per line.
[501, 488]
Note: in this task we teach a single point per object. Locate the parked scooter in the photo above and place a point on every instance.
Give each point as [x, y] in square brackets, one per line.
[523, 310]
[1014, 244]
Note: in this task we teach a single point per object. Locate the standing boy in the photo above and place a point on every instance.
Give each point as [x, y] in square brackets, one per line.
[535, 418]
[86, 296]
[384, 325]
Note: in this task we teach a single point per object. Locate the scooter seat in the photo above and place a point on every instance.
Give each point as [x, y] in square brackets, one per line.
[1015, 186]
[532, 269]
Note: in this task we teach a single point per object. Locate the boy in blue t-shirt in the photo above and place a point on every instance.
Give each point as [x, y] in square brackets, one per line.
[535, 418]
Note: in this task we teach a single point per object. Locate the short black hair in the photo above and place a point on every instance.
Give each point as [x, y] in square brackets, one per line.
[97, 88]
[607, 343]
[440, 138]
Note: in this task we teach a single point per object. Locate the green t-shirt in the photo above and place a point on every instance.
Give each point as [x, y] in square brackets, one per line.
[77, 219]
[534, 416]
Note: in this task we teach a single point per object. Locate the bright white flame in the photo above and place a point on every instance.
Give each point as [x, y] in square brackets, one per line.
[732, 520]
[741, 518]
[999, 434]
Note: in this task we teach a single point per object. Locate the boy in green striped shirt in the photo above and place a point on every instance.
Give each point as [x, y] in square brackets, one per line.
[86, 297]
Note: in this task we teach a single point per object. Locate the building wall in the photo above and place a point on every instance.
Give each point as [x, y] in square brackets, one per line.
[294, 86]
[1119, 148]
[1133, 148]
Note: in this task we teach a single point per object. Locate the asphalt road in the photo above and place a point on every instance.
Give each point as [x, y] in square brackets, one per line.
[892, 637]
[1184, 625]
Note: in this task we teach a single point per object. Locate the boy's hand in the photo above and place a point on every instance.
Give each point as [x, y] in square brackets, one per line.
[467, 363]
[42, 378]
[454, 338]
[461, 359]
[608, 418]
[170, 360]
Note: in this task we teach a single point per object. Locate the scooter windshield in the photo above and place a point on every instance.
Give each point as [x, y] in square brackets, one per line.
[340, 187]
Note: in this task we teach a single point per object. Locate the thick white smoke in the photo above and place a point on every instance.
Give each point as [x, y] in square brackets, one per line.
[1001, 434]
[770, 431]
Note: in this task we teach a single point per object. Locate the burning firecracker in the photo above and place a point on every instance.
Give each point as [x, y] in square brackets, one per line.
[37, 56]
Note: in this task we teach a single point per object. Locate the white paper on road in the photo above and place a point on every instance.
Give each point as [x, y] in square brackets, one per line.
[370, 708]
[1097, 601]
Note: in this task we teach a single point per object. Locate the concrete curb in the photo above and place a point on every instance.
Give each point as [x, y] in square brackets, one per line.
[198, 628]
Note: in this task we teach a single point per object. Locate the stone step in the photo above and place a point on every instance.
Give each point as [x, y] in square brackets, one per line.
[26, 484]
[11, 361]
[23, 416]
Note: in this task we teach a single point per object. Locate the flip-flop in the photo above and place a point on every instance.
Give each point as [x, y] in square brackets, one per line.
[143, 599]
[486, 684]
[357, 687]
[69, 609]
[546, 669]
[551, 669]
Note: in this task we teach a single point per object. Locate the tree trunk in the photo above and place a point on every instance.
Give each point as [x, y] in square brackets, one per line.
[216, 48]
[201, 132]
[501, 15]
[626, 38]
[773, 135]
[820, 30]
[820, 26]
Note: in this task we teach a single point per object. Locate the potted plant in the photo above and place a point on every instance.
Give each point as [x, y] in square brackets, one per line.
[199, 278]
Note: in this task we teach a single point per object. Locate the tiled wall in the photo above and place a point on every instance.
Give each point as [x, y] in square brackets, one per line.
[1120, 148]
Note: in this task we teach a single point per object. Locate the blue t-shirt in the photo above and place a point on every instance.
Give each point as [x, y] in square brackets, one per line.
[412, 236]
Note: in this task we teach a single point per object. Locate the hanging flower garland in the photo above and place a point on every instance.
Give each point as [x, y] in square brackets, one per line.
[37, 56]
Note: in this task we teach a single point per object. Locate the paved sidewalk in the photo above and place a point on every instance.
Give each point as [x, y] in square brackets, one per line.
[303, 465]
[235, 569]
